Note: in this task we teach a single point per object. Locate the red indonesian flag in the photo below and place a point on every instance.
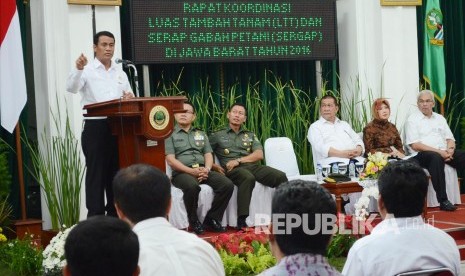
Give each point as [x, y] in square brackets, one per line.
[13, 94]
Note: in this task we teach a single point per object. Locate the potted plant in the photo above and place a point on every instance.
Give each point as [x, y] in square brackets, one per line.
[57, 167]
[244, 253]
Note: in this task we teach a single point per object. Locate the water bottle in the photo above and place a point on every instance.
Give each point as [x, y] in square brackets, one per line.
[319, 172]
[335, 168]
[352, 169]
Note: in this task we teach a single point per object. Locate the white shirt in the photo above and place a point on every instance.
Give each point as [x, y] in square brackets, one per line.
[96, 84]
[339, 135]
[167, 251]
[402, 244]
[433, 131]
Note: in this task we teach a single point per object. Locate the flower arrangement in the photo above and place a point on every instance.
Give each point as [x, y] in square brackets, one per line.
[244, 253]
[54, 253]
[2, 236]
[362, 204]
[376, 162]
[20, 256]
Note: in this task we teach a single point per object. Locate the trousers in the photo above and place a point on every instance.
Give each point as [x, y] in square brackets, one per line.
[244, 177]
[221, 185]
[101, 152]
[434, 163]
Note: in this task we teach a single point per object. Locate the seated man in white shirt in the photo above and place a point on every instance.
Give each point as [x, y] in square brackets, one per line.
[143, 199]
[331, 137]
[432, 143]
[402, 241]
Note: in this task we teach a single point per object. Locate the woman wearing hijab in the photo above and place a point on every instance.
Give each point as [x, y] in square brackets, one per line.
[380, 134]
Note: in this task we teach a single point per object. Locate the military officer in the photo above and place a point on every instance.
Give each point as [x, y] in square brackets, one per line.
[189, 154]
[239, 152]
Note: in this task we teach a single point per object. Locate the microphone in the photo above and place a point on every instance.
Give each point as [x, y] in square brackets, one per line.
[128, 63]
[123, 61]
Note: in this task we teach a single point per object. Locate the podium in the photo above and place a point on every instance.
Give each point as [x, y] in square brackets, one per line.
[141, 126]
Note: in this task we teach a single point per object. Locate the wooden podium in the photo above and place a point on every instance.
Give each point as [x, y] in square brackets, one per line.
[141, 126]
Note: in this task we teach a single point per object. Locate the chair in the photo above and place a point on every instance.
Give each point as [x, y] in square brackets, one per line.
[178, 213]
[452, 188]
[442, 271]
[260, 205]
[259, 208]
[279, 154]
[452, 185]
[349, 208]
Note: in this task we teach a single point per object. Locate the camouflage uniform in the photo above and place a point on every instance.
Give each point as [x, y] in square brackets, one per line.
[189, 148]
[228, 145]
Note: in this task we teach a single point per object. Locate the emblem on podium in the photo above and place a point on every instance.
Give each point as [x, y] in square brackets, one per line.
[159, 117]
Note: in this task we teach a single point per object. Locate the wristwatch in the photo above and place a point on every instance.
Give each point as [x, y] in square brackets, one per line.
[239, 160]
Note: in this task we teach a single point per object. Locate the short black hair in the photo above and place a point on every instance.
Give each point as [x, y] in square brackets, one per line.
[403, 186]
[102, 245]
[329, 96]
[191, 104]
[238, 104]
[301, 198]
[142, 191]
[102, 33]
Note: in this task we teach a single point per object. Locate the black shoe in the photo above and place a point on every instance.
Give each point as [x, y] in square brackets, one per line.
[241, 223]
[446, 205]
[213, 224]
[197, 227]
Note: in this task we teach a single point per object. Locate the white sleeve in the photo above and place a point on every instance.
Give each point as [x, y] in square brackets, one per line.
[75, 81]
[354, 136]
[411, 132]
[127, 85]
[448, 135]
[315, 138]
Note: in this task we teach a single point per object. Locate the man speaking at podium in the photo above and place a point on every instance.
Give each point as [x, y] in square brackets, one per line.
[98, 81]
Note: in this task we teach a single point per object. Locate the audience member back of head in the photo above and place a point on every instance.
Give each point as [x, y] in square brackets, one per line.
[300, 247]
[101, 245]
[403, 186]
[142, 192]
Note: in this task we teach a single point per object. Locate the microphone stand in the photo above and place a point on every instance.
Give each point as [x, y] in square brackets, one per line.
[136, 78]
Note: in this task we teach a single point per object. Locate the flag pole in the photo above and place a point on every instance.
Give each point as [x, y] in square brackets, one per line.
[25, 226]
[19, 158]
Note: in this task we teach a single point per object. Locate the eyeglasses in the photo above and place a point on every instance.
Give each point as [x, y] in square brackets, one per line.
[425, 101]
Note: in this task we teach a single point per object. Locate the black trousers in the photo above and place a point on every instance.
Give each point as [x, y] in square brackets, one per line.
[221, 185]
[101, 152]
[434, 163]
[244, 177]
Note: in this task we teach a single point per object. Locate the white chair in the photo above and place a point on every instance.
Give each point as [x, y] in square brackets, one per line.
[279, 154]
[452, 184]
[178, 213]
[260, 205]
[259, 208]
[452, 188]
[349, 208]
